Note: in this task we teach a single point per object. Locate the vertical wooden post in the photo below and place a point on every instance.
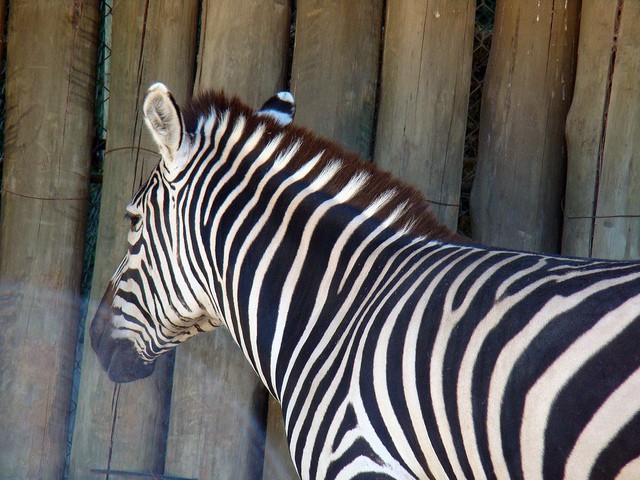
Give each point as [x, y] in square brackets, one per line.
[617, 236]
[3, 26]
[51, 59]
[243, 48]
[121, 427]
[516, 198]
[585, 124]
[277, 459]
[424, 95]
[335, 69]
[603, 136]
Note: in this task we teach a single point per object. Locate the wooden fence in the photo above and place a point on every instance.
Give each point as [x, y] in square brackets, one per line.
[388, 79]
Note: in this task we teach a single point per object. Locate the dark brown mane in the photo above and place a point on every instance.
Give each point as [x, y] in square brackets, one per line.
[417, 214]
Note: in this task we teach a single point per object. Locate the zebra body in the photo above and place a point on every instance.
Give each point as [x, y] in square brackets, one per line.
[396, 350]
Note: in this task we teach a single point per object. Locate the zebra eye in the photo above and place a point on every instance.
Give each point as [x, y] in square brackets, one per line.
[136, 221]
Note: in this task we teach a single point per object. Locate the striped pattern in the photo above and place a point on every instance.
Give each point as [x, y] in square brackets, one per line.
[394, 355]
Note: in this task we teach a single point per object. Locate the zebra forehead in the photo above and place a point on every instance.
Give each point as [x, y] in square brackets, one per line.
[416, 217]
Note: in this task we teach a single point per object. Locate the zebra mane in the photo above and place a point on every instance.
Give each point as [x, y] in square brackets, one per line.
[416, 216]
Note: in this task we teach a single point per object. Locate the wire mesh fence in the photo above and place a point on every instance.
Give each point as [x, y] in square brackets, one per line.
[483, 33]
[101, 102]
[3, 76]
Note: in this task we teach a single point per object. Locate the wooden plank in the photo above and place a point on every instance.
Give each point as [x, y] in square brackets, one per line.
[233, 55]
[277, 459]
[336, 92]
[218, 412]
[517, 193]
[3, 27]
[51, 58]
[426, 72]
[245, 55]
[585, 124]
[619, 184]
[122, 427]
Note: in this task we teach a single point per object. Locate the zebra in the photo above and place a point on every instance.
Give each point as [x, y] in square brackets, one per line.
[396, 348]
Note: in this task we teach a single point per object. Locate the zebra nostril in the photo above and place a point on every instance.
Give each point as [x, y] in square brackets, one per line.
[117, 356]
[126, 365]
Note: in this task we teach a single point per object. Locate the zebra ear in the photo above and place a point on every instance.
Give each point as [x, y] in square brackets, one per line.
[164, 120]
[280, 107]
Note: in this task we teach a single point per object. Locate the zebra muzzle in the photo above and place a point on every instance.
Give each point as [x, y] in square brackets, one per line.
[117, 355]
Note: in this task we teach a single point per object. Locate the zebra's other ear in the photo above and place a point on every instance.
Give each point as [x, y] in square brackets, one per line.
[164, 120]
[280, 107]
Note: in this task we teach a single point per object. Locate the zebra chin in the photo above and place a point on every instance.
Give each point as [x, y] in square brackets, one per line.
[118, 356]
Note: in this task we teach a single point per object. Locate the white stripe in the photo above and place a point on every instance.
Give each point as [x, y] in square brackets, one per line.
[510, 354]
[328, 455]
[354, 287]
[211, 270]
[469, 359]
[621, 406]
[280, 162]
[362, 312]
[236, 134]
[296, 268]
[267, 257]
[370, 211]
[437, 366]
[266, 154]
[631, 471]
[409, 366]
[540, 398]
[363, 464]
[410, 393]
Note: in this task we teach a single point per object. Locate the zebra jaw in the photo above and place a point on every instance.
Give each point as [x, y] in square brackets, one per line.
[118, 356]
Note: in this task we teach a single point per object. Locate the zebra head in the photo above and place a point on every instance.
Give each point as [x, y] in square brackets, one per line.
[154, 301]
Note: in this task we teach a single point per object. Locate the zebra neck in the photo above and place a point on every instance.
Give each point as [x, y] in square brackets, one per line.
[288, 262]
